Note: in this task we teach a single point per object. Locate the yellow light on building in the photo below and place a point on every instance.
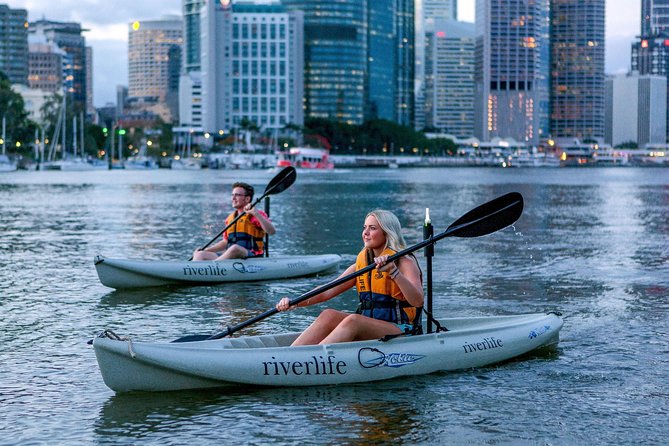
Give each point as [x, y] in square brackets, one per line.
[135, 25]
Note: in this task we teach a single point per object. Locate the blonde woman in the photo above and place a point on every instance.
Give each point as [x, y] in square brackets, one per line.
[390, 296]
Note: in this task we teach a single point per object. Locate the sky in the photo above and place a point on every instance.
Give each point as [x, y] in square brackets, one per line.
[107, 23]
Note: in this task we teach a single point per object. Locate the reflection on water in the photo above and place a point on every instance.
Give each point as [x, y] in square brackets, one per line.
[592, 244]
[371, 418]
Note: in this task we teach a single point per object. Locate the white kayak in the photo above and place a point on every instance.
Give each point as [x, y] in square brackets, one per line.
[122, 273]
[268, 360]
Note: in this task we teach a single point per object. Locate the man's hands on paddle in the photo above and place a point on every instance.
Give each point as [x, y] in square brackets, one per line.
[250, 209]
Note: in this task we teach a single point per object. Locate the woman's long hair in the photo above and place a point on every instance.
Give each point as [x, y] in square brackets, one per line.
[391, 227]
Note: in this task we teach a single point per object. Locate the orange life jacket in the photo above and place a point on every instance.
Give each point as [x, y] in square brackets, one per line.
[246, 232]
[380, 297]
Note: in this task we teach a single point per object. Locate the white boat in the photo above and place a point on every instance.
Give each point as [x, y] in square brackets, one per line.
[122, 273]
[6, 165]
[527, 158]
[75, 164]
[140, 163]
[306, 158]
[186, 164]
[268, 360]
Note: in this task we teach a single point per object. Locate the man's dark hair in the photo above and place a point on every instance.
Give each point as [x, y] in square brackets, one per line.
[247, 188]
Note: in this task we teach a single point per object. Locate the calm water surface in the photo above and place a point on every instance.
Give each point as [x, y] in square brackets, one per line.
[592, 243]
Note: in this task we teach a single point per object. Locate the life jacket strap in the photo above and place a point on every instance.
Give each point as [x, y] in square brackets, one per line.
[371, 305]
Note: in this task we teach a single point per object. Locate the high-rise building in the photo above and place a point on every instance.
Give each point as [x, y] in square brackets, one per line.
[405, 57]
[650, 54]
[577, 69]
[335, 53]
[90, 108]
[14, 44]
[252, 65]
[426, 12]
[151, 43]
[121, 100]
[512, 69]
[190, 81]
[45, 65]
[191, 14]
[654, 17]
[635, 109]
[352, 48]
[434, 10]
[449, 78]
[69, 38]
[380, 82]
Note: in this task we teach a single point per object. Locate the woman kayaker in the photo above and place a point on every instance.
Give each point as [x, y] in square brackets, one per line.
[245, 237]
[389, 296]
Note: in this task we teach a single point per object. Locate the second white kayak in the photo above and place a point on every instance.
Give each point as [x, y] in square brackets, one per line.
[123, 273]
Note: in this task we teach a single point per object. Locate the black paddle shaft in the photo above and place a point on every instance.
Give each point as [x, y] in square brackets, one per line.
[282, 181]
[483, 220]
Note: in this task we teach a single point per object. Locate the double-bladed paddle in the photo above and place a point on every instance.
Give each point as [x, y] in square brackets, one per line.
[281, 181]
[483, 220]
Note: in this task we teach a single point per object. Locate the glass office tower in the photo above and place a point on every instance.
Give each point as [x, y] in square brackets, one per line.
[512, 69]
[650, 54]
[14, 44]
[577, 69]
[359, 59]
[335, 65]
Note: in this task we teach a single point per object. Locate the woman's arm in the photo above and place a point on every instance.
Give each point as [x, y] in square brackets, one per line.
[408, 280]
[405, 273]
[326, 295]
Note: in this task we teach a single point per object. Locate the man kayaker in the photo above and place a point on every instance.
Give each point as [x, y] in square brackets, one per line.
[244, 238]
[390, 296]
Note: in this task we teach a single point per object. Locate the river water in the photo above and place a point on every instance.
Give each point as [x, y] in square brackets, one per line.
[591, 243]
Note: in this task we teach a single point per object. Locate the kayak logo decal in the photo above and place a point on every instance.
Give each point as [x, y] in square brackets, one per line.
[210, 270]
[369, 357]
[485, 344]
[535, 333]
[250, 269]
[313, 366]
[297, 265]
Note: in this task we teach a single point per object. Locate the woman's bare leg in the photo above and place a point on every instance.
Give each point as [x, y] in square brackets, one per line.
[204, 255]
[327, 321]
[356, 327]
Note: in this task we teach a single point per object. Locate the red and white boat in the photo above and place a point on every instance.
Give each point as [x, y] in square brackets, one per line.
[306, 158]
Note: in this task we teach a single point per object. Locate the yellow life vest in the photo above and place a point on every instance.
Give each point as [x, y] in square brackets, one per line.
[380, 297]
[244, 233]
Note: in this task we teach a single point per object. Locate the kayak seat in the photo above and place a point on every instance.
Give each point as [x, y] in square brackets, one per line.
[254, 342]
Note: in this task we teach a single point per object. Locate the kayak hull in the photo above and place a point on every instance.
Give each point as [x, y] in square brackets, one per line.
[122, 273]
[267, 360]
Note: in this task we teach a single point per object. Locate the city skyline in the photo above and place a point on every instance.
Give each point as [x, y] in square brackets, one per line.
[107, 25]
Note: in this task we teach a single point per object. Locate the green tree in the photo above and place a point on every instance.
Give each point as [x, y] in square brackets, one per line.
[375, 137]
[12, 108]
[627, 145]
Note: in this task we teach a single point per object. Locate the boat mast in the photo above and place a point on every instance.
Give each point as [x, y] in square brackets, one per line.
[4, 130]
[56, 135]
[64, 122]
[81, 132]
[74, 136]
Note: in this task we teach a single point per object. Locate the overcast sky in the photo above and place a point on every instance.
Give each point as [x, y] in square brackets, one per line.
[107, 24]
